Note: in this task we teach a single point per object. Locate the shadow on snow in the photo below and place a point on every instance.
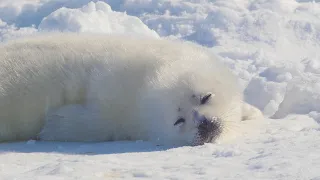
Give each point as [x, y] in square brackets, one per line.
[92, 148]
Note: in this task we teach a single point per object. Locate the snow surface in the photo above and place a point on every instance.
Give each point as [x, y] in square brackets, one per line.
[94, 17]
[273, 47]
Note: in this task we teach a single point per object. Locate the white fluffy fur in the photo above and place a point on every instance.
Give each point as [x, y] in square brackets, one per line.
[82, 87]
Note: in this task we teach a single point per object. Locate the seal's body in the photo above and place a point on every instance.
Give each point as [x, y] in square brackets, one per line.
[85, 87]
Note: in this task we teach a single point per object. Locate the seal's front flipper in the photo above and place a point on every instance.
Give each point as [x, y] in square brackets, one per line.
[71, 123]
[250, 112]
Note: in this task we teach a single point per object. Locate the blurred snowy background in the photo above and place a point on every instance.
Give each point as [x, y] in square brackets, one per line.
[273, 46]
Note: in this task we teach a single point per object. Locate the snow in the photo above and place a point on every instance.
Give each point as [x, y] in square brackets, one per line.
[94, 17]
[286, 149]
[11, 31]
[271, 45]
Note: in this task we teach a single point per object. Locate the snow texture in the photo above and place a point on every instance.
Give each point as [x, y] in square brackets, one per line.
[271, 45]
[94, 17]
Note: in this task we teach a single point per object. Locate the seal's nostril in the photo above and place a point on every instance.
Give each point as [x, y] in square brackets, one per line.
[205, 119]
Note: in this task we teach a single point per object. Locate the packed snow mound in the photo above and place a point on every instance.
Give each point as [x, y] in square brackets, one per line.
[24, 13]
[94, 17]
[11, 31]
[91, 17]
[302, 96]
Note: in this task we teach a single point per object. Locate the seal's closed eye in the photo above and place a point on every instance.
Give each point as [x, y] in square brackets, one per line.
[205, 98]
[180, 120]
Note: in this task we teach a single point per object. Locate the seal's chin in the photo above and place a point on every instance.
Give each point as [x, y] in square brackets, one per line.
[208, 131]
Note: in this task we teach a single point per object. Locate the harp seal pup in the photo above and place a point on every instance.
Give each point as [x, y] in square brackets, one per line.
[93, 87]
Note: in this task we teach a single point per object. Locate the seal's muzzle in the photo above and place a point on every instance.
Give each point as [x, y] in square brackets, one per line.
[208, 129]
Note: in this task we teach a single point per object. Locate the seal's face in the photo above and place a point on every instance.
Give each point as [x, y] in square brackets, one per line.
[196, 117]
[189, 104]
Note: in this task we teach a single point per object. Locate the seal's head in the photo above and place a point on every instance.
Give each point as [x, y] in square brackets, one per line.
[190, 106]
[207, 127]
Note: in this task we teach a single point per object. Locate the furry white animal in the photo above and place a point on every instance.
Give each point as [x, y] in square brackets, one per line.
[85, 87]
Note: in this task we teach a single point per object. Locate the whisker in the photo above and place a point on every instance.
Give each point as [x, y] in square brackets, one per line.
[229, 110]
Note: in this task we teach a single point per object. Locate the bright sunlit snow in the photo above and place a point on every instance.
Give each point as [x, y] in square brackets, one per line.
[273, 46]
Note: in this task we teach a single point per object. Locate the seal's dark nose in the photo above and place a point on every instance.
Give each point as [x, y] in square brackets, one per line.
[208, 130]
